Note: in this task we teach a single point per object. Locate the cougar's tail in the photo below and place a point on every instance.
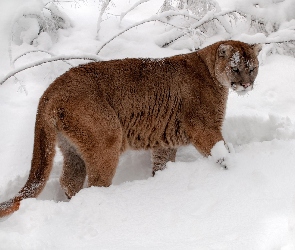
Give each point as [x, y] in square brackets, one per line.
[43, 154]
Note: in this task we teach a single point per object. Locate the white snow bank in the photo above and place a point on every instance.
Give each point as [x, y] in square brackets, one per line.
[188, 206]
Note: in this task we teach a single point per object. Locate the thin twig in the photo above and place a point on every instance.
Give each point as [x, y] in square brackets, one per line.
[122, 32]
[172, 41]
[284, 41]
[99, 20]
[35, 51]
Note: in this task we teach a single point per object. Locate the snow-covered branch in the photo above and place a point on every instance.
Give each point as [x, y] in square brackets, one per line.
[105, 4]
[123, 14]
[162, 18]
[282, 41]
[152, 19]
[53, 59]
[37, 51]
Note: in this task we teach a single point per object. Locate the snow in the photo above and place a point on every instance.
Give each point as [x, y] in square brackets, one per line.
[194, 203]
[235, 59]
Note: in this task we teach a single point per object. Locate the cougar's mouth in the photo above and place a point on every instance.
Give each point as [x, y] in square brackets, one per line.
[241, 87]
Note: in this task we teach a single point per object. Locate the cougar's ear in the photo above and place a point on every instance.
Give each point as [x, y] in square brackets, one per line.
[224, 50]
[256, 48]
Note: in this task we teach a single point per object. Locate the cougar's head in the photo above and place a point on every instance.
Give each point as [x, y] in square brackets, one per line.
[236, 65]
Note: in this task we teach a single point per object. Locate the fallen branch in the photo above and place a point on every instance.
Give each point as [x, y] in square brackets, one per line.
[53, 59]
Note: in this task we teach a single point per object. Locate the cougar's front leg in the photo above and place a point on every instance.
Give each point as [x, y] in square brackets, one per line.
[161, 156]
[207, 138]
[210, 142]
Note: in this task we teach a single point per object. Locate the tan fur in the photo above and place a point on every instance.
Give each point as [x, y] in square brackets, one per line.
[96, 111]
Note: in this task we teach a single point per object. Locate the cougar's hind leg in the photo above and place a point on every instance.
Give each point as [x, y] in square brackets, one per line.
[74, 171]
[95, 136]
[102, 157]
[161, 156]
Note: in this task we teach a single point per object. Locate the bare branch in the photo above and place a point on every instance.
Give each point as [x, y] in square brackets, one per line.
[53, 59]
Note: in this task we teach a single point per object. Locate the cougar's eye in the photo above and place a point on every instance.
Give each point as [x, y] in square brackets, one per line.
[235, 69]
[251, 70]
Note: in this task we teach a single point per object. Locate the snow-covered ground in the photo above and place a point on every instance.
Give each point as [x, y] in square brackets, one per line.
[194, 203]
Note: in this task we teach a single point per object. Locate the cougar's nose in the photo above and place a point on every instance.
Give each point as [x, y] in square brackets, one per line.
[246, 85]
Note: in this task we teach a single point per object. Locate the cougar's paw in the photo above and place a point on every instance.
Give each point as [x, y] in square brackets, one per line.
[219, 153]
[221, 161]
